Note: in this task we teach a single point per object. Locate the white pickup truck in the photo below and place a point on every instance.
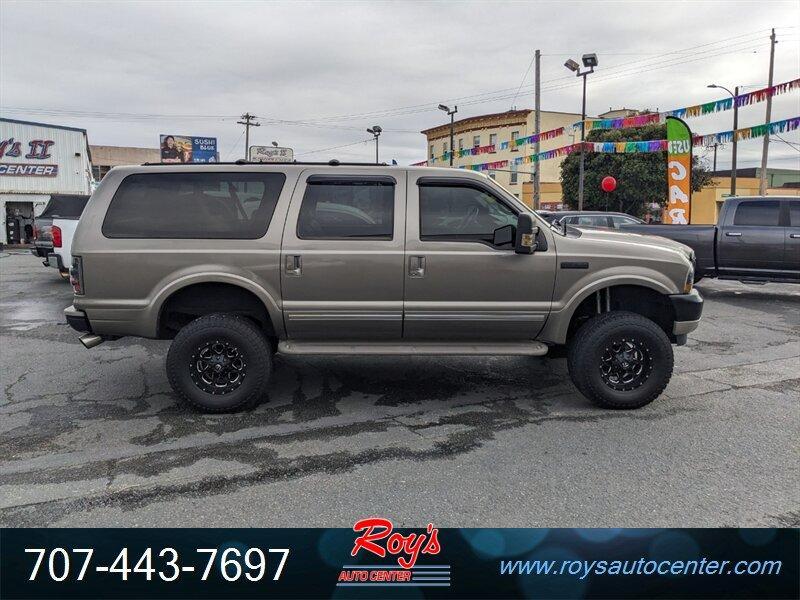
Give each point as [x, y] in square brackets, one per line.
[63, 211]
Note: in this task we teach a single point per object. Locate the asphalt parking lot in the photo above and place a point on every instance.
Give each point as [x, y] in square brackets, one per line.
[96, 438]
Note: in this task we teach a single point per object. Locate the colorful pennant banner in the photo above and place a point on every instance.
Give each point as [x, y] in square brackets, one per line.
[745, 133]
[532, 139]
[695, 110]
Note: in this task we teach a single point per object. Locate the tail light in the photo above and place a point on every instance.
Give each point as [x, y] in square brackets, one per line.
[56, 233]
[76, 275]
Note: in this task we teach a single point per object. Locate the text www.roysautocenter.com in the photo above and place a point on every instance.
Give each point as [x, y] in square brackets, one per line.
[643, 566]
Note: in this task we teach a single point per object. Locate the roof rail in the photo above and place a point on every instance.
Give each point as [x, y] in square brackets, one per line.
[331, 163]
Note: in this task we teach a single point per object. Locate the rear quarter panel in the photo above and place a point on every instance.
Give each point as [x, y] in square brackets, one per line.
[127, 280]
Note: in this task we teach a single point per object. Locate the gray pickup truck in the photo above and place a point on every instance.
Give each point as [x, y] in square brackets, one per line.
[235, 262]
[756, 238]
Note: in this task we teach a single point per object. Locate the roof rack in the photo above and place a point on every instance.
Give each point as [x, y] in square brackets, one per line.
[331, 163]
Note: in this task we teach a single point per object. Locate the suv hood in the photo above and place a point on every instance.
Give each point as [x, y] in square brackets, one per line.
[654, 241]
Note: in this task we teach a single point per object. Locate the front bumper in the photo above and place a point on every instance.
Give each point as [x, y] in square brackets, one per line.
[77, 319]
[687, 308]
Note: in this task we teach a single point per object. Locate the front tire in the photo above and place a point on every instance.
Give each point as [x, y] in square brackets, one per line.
[219, 363]
[620, 360]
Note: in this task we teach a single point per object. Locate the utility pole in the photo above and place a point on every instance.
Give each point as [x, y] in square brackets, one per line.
[714, 169]
[248, 123]
[762, 184]
[735, 126]
[536, 130]
[451, 113]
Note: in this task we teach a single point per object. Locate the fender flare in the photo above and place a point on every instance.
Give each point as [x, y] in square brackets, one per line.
[557, 326]
[272, 307]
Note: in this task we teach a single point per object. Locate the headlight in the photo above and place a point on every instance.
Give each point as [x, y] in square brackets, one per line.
[687, 286]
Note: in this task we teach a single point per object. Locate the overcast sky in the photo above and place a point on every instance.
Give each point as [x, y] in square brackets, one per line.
[319, 74]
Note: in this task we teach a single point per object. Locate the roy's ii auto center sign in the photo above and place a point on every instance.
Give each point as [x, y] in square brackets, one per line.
[34, 151]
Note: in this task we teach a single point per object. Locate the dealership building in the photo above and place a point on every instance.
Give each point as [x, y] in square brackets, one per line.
[36, 161]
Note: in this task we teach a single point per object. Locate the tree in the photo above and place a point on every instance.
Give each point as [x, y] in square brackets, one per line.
[641, 178]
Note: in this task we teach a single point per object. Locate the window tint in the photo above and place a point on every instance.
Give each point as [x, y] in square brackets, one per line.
[794, 213]
[446, 212]
[347, 209]
[758, 212]
[193, 205]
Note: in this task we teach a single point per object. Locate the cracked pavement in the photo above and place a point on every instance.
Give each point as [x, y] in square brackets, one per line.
[96, 437]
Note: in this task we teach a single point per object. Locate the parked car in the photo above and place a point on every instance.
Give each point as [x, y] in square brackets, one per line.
[588, 218]
[756, 239]
[54, 228]
[345, 259]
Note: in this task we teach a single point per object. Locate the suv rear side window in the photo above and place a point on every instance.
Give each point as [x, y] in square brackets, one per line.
[794, 213]
[758, 212]
[461, 213]
[193, 205]
[335, 209]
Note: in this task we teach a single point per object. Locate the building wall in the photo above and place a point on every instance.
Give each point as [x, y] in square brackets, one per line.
[43, 160]
[502, 125]
[104, 158]
[69, 152]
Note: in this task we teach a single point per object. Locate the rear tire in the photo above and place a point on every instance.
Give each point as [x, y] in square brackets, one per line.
[220, 363]
[620, 360]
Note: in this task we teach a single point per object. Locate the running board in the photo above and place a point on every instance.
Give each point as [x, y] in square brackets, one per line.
[416, 348]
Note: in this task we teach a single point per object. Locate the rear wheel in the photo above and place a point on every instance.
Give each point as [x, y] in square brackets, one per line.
[620, 360]
[219, 363]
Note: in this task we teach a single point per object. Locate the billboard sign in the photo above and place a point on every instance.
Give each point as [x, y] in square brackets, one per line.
[188, 149]
[679, 172]
[270, 154]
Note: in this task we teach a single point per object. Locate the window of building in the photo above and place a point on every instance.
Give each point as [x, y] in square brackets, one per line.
[476, 141]
[460, 143]
[758, 212]
[193, 205]
[513, 179]
[461, 213]
[432, 151]
[444, 148]
[493, 140]
[347, 209]
[492, 175]
[100, 171]
[514, 137]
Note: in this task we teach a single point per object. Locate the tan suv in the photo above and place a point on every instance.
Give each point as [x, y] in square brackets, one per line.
[234, 262]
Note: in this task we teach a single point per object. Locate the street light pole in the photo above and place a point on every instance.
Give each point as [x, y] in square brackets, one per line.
[452, 128]
[375, 130]
[734, 95]
[589, 62]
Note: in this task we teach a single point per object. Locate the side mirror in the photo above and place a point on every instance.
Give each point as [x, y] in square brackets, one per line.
[525, 242]
[503, 236]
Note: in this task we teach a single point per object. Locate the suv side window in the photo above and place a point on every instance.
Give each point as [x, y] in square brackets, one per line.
[758, 212]
[193, 205]
[461, 213]
[591, 221]
[335, 209]
[619, 221]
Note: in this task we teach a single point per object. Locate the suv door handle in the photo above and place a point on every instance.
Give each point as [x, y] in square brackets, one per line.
[733, 233]
[416, 267]
[294, 265]
[794, 235]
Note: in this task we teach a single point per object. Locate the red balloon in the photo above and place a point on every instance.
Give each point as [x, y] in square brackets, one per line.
[609, 184]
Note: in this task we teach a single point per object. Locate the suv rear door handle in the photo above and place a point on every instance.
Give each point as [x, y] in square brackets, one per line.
[294, 265]
[733, 233]
[416, 267]
[794, 235]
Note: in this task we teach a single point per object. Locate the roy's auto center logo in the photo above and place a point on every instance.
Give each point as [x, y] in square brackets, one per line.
[404, 556]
